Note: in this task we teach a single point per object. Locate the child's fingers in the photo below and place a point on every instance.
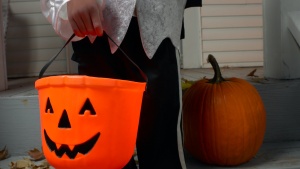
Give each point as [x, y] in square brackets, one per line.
[88, 28]
[75, 28]
[85, 18]
[96, 21]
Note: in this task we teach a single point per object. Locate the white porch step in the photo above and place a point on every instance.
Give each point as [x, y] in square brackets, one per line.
[282, 155]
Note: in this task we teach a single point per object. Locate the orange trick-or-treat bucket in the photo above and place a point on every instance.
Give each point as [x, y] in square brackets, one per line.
[88, 122]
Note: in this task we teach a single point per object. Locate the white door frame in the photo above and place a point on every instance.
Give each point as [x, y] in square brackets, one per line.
[3, 74]
[192, 44]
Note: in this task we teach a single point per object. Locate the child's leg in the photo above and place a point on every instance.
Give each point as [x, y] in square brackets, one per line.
[157, 141]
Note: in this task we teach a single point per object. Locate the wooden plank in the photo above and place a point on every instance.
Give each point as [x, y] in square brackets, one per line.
[35, 55]
[22, 7]
[31, 41]
[231, 28]
[232, 33]
[27, 19]
[283, 155]
[32, 31]
[226, 2]
[34, 43]
[232, 10]
[33, 68]
[232, 22]
[232, 45]
[236, 56]
[3, 75]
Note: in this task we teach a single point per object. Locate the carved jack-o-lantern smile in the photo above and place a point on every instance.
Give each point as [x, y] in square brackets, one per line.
[64, 123]
[83, 148]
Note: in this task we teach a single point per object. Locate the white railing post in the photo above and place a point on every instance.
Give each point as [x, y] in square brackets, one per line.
[191, 45]
[281, 50]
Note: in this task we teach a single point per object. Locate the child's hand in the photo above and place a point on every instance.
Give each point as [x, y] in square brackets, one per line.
[85, 17]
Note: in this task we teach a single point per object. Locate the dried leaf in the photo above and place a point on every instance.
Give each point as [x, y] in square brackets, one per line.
[28, 164]
[252, 73]
[21, 164]
[3, 153]
[36, 154]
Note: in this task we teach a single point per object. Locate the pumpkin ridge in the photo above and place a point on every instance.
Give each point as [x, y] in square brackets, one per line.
[227, 151]
[190, 120]
[249, 91]
[256, 108]
[249, 102]
[242, 112]
[207, 90]
[221, 120]
[229, 112]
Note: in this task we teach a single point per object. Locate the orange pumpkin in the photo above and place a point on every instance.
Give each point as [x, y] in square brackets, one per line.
[224, 120]
[88, 122]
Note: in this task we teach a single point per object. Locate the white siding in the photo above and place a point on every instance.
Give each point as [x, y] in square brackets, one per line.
[31, 41]
[232, 30]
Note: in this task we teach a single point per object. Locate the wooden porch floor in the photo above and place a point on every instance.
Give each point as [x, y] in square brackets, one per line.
[271, 156]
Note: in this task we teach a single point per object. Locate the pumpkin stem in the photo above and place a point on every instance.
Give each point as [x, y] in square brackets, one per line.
[218, 76]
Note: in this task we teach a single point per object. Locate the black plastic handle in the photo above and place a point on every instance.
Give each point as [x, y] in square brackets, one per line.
[54, 57]
[69, 40]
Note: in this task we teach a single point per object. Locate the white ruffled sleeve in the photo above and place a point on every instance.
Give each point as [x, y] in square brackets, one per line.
[56, 13]
[117, 15]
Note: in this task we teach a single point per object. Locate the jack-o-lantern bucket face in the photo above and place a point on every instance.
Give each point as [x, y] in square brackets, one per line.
[88, 122]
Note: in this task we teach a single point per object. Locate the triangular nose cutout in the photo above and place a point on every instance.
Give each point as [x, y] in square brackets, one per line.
[64, 120]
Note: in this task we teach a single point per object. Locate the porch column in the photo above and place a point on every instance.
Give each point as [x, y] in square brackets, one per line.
[281, 29]
[3, 75]
[191, 44]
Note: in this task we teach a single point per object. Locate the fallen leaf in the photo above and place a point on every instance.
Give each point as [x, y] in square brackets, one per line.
[252, 73]
[3, 153]
[36, 154]
[28, 164]
[23, 163]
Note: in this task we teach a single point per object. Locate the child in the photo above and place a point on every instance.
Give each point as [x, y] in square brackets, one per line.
[149, 32]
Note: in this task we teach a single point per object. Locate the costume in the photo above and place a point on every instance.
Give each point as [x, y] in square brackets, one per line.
[150, 39]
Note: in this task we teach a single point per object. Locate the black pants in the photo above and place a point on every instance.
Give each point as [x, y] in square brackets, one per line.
[157, 143]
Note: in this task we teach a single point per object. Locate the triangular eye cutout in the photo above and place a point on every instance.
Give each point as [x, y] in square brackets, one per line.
[49, 106]
[87, 106]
